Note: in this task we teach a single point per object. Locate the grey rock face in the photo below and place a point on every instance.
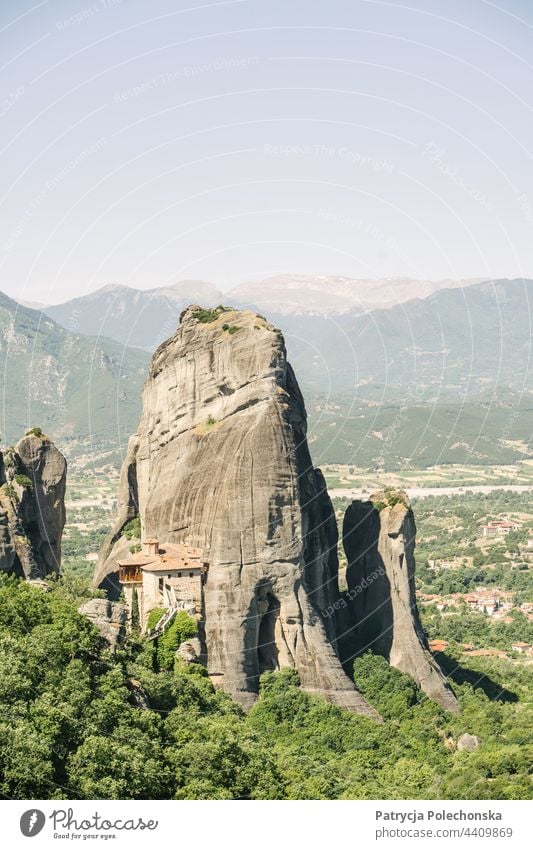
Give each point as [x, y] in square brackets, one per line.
[7, 548]
[468, 743]
[190, 651]
[108, 617]
[32, 507]
[221, 463]
[379, 540]
[115, 546]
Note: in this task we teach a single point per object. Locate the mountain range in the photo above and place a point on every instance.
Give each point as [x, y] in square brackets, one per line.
[456, 344]
[145, 318]
[139, 319]
[308, 295]
[79, 389]
[441, 378]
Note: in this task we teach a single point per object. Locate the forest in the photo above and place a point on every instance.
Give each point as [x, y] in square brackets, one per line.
[77, 721]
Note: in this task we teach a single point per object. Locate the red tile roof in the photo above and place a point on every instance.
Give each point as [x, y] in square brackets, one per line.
[171, 557]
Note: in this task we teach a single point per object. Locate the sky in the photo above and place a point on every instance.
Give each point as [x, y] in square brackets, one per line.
[144, 143]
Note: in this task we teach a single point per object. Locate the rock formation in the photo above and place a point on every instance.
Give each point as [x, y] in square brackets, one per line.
[32, 507]
[108, 617]
[379, 540]
[115, 544]
[220, 462]
[190, 651]
[468, 743]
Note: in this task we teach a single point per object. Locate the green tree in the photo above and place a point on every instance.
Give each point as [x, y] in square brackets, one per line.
[182, 628]
[135, 616]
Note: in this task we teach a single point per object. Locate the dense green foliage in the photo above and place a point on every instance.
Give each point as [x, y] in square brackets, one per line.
[390, 498]
[154, 616]
[135, 613]
[181, 628]
[206, 316]
[72, 723]
[35, 431]
[23, 481]
[448, 526]
[470, 626]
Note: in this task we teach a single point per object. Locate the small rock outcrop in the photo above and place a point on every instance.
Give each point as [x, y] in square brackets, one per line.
[190, 651]
[32, 507]
[379, 540]
[468, 743]
[220, 461]
[109, 617]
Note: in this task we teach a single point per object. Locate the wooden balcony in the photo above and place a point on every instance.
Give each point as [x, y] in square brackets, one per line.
[130, 574]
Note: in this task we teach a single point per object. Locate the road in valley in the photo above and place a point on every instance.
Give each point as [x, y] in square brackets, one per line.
[424, 492]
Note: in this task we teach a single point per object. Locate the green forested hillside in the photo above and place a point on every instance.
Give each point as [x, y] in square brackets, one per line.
[78, 722]
[392, 435]
[446, 379]
[77, 388]
[467, 343]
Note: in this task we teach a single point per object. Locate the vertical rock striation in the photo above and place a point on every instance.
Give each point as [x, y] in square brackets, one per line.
[32, 507]
[220, 462]
[379, 541]
[115, 545]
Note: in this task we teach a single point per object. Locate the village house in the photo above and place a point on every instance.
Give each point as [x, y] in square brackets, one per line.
[499, 528]
[170, 576]
[438, 645]
[454, 563]
[427, 598]
[482, 603]
[494, 602]
[485, 653]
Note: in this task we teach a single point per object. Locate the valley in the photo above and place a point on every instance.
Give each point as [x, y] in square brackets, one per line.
[464, 465]
[266, 422]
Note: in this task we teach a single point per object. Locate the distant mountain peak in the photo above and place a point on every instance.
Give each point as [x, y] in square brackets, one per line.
[322, 295]
[114, 287]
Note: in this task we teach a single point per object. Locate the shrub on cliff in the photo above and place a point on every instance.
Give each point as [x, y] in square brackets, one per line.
[35, 431]
[132, 529]
[182, 628]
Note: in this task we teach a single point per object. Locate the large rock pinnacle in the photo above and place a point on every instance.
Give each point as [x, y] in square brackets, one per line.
[379, 540]
[220, 462]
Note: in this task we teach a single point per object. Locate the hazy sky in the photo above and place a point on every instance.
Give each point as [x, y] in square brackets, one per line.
[144, 142]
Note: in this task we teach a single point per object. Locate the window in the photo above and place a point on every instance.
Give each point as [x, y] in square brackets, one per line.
[160, 585]
[179, 574]
[169, 577]
[191, 574]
